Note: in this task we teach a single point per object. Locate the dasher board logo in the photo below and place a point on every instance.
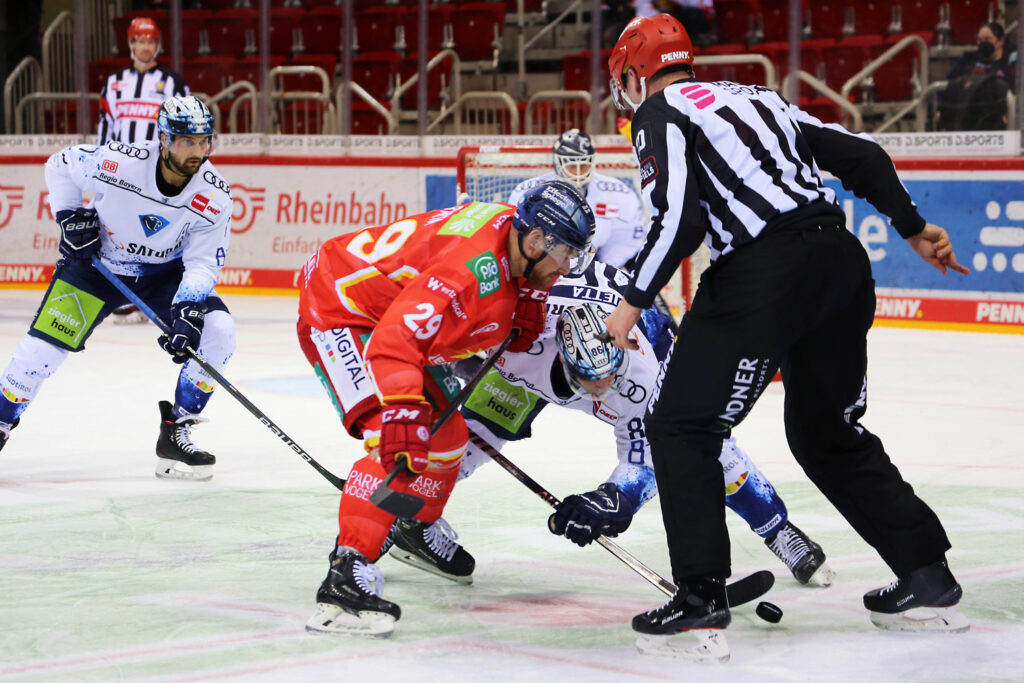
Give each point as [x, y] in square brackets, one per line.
[67, 314]
[487, 273]
[465, 223]
[152, 224]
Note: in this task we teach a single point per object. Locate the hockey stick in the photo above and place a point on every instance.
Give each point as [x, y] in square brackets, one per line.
[230, 388]
[739, 592]
[402, 504]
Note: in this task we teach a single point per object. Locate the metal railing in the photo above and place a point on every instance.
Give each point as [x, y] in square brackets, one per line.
[480, 113]
[38, 115]
[448, 94]
[555, 116]
[919, 82]
[522, 44]
[213, 102]
[26, 78]
[102, 40]
[821, 87]
[360, 92]
[59, 54]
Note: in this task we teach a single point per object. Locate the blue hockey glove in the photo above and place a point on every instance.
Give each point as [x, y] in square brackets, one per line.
[79, 233]
[583, 517]
[186, 329]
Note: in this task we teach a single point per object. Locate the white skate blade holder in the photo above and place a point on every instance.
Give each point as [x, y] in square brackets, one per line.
[166, 468]
[706, 645]
[414, 561]
[929, 619]
[333, 620]
[824, 577]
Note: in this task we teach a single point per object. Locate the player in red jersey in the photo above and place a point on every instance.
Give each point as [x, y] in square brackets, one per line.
[381, 313]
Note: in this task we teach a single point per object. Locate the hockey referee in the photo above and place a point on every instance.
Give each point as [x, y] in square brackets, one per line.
[789, 287]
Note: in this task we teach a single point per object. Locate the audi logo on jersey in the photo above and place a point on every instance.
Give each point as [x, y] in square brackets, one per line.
[216, 181]
[11, 198]
[248, 202]
[128, 150]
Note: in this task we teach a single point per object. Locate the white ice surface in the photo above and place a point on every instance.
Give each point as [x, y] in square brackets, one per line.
[107, 573]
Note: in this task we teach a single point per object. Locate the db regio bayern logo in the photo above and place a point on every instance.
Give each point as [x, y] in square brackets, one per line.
[1002, 238]
[11, 197]
[248, 202]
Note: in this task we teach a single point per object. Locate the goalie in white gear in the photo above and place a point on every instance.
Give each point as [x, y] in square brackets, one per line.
[160, 221]
[569, 366]
[618, 211]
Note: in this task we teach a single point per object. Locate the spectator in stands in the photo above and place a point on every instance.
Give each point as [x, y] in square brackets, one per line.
[130, 101]
[975, 98]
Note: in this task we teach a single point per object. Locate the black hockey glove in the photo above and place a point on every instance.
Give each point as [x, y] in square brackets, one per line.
[583, 517]
[79, 233]
[186, 329]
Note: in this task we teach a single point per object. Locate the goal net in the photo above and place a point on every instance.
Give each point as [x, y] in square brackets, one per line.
[489, 174]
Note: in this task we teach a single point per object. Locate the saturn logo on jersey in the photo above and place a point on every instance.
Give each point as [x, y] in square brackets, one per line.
[152, 224]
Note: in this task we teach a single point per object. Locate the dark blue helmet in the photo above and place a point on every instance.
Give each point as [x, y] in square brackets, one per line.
[573, 154]
[184, 115]
[559, 211]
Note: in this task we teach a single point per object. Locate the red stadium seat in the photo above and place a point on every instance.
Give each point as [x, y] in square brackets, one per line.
[376, 28]
[872, 17]
[227, 35]
[248, 68]
[438, 78]
[893, 80]
[473, 26]
[734, 19]
[845, 59]
[207, 75]
[61, 118]
[775, 19]
[920, 15]
[321, 30]
[438, 17]
[376, 72]
[966, 17]
[305, 117]
[310, 82]
[576, 70]
[827, 18]
[822, 108]
[366, 120]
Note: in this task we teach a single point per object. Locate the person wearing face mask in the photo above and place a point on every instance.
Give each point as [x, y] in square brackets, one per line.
[975, 97]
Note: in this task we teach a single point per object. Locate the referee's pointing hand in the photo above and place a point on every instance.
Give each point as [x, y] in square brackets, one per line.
[619, 324]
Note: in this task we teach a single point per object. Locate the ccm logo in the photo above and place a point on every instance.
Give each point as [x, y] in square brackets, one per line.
[399, 414]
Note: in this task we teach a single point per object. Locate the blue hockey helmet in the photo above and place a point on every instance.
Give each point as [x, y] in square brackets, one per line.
[585, 356]
[185, 115]
[559, 211]
[573, 155]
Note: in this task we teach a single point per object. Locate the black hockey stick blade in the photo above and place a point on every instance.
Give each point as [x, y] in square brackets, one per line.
[751, 587]
[401, 505]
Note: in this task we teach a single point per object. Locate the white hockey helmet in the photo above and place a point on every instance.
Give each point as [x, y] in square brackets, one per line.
[573, 154]
[585, 357]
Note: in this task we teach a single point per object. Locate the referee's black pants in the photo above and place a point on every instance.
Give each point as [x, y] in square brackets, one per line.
[800, 298]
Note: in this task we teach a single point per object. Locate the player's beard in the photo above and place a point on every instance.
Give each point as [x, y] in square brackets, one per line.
[181, 169]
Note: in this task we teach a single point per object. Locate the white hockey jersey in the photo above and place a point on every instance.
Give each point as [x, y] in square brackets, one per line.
[618, 213]
[500, 406]
[143, 229]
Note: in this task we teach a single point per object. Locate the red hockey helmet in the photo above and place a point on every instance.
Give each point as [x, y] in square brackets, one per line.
[143, 27]
[647, 45]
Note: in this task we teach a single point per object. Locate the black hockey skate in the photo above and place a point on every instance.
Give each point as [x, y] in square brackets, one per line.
[177, 457]
[801, 555]
[349, 600]
[5, 431]
[700, 609]
[432, 548]
[926, 600]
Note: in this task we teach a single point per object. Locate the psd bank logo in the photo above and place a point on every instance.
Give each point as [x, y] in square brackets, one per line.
[248, 202]
[11, 197]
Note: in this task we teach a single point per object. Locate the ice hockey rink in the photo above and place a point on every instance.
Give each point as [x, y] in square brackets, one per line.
[107, 573]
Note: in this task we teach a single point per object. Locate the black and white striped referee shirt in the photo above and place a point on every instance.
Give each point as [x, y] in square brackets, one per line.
[721, 161]
[130, 100]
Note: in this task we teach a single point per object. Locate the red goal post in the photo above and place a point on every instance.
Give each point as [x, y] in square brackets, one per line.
[489, 174]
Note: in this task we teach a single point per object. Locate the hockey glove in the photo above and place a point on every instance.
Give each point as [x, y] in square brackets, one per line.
[186, 329]
[405, 436]
[530, 317]
[583, 517]
[79, 233]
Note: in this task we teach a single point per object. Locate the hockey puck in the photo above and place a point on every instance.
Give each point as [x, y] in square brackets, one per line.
[769, 612]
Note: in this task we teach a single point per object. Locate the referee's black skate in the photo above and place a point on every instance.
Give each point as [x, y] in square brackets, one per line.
[433, 548]
[349, 600]
[176, 456]
[804, 557]
[698, 610]
[926, 600]
[5, 431]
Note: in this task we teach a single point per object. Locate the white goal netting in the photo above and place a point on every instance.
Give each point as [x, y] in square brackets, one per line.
[489, 174]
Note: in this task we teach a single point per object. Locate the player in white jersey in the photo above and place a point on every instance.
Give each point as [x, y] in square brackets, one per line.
[567, 366]
[130, 100]
[160, 220]
[618, 211]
